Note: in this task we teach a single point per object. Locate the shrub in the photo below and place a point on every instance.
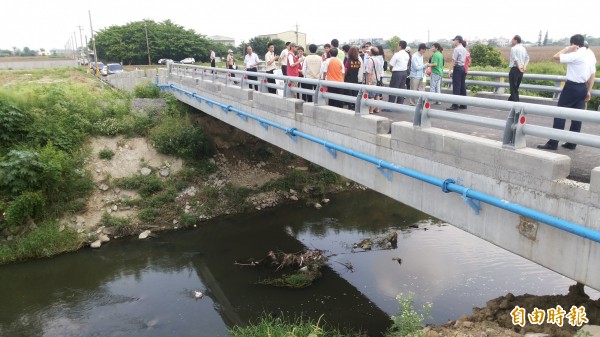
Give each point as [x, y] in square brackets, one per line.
[106, 154]
[408, 322]
[20, 171]
[26, 205]
[45, 241]
[176, 136]
[121, 226]
[12, 123]
[146, 185]
[146, 90]
[482, 55]
[271, 326]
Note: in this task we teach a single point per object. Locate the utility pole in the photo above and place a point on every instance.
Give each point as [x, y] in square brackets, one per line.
[428, 36]
[80, 36]
[147, 43]
[93, 42]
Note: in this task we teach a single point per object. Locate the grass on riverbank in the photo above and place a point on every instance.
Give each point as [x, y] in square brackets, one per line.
[282, 327]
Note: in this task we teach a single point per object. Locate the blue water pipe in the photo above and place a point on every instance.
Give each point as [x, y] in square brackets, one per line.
[472, 197]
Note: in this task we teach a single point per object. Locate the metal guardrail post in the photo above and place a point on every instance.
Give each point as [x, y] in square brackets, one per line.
[263, 85]
[499, 90]
[318, 98]
[514, 138]
[360, 107]
[287, 84]
[421, 116]
[243, 81]
[214, 76]
[559, 84]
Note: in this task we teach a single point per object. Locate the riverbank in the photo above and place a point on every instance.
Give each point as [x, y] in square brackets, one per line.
[206, 170]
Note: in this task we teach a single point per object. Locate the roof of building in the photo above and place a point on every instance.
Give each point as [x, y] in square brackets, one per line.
[220, 38]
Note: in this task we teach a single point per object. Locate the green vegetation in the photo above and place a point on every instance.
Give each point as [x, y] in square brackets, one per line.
[120, 226]
[407, 322]
[45, 241]
[259, 45]
[271, 326]
[178, 136]
[165, 40]
[483, 55]
[106, 154]
[146, 90]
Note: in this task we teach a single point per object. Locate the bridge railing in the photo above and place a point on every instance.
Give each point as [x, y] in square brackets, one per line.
[500, 81]
[321, 92]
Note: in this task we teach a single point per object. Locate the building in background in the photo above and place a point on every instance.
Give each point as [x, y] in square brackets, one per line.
[228, 41]
[291, 36]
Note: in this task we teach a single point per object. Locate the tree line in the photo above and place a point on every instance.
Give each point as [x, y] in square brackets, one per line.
[127, 43]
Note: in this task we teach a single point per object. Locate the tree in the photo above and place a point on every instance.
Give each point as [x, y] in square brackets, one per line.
[259, 45]
[127, 43]
[539, 43]
[546, 39]
[393, 43]
[482, 55]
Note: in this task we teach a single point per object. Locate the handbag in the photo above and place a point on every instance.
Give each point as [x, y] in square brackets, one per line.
[428, 71]
[380, 80]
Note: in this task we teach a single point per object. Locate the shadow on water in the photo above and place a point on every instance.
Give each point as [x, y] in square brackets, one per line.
[145, 288]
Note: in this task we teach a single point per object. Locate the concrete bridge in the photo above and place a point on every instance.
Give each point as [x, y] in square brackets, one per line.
[502, 191]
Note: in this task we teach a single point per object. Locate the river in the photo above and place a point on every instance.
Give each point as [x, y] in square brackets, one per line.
[131, 287]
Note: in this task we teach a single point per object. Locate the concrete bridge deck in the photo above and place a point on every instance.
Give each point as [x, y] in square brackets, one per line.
[514, 179]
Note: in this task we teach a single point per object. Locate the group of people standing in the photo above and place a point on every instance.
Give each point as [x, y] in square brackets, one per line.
[367, 65]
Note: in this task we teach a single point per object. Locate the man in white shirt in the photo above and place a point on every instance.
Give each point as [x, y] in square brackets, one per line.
[212, 58]
[399, 65]
[270, 60]
[518, 64]
[251, 61]
[581, 74]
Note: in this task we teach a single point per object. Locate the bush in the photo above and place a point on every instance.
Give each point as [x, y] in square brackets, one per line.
[176, 136]
[121, 226]
[146, 90]
[146, 185]
[408, 322]
[13, 123]
[106, 154]
[20, 171]
[45, 241]
[482, 55]
[26, 205]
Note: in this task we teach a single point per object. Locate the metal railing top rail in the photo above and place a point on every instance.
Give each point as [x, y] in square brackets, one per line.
[527, 108]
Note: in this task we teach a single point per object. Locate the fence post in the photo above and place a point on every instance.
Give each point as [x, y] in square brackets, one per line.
[421, 116]
[318, 97]
[559, 84]
[360, 107]
[263, 85]
[499, 90]
[514, 138]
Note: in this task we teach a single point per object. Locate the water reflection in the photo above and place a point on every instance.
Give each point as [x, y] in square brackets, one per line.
[144, 288]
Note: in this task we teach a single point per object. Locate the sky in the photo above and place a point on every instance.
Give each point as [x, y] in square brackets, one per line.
[51, 23]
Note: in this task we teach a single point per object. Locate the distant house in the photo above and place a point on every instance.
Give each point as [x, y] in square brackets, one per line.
[44, 53]
[229, 41]
[291, 36]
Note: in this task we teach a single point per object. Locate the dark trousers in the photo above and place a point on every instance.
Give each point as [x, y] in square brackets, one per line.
[334, 102]
[284, 70]
[398, 81]
[271, 80]
[252, 78]
[572, 96]
[514, 80]
[212, 63]
[231, 67]
[305, 97]
[458, 82]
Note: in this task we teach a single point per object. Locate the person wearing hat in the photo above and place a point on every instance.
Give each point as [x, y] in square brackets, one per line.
[417, 72]
[230, 61]
[270, 59]
[457, 71]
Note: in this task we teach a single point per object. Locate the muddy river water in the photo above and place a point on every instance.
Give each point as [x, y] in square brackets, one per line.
[131, 287]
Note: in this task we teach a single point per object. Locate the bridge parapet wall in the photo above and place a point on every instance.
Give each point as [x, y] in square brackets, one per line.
[528, 177]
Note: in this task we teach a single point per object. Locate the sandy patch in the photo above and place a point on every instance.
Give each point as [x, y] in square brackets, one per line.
[130, 156]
